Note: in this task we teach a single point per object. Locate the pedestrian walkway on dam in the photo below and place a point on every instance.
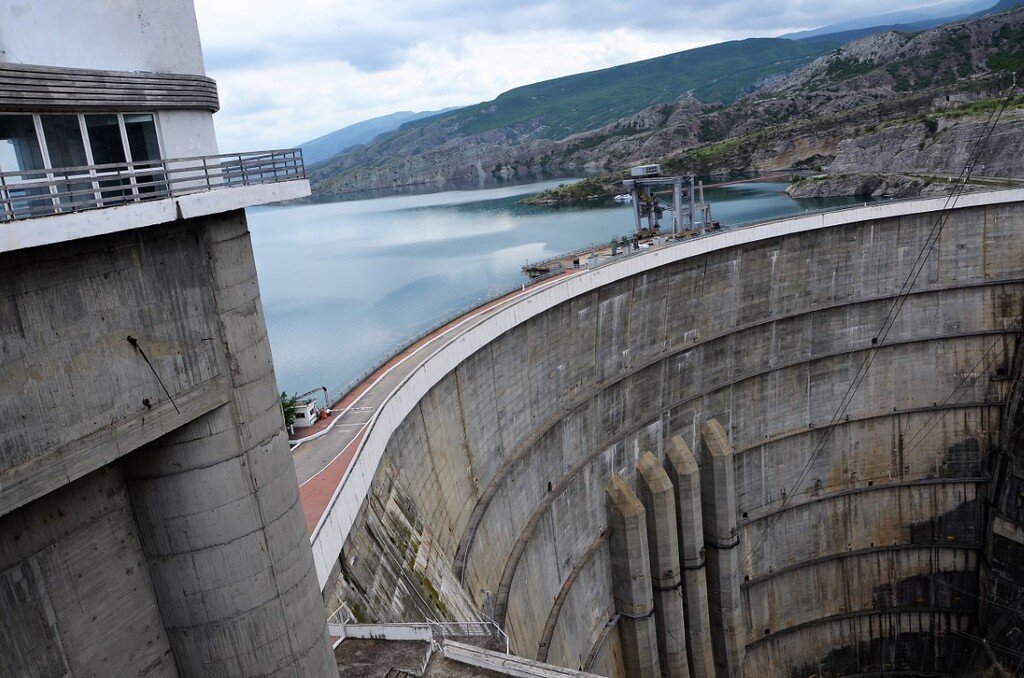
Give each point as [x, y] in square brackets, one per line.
[321, 463]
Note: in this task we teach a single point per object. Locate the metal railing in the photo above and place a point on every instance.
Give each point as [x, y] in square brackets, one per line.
[46, 192]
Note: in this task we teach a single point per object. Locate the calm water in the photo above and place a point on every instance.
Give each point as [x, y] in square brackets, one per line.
[345, 282]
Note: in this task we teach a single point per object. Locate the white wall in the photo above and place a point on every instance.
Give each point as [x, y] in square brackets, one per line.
[160, 36]
[184, 134]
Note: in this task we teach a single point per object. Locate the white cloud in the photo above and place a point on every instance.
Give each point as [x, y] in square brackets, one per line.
[291, 71]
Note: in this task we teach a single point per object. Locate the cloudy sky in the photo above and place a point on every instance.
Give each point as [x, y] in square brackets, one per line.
[292, 70]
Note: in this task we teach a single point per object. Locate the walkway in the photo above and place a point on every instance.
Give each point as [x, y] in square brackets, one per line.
[321, 464]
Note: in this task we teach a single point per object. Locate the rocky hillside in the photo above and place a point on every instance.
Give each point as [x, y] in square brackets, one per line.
[538, 126]
[870, 91]
[876, 113]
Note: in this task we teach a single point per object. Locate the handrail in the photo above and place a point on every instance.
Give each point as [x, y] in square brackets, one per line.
[26, 194]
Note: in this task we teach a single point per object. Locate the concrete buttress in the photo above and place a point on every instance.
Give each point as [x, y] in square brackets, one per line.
[718, 496]
[658, 497]
[684, 473]
[631, 580]
[218, 509]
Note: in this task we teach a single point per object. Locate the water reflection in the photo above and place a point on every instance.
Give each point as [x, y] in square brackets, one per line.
[344, 282]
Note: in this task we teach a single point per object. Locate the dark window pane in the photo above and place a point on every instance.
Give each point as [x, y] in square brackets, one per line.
[107, 148]
[19, 148]
[141, 131]
[142, 142]
[64, 143]
[19, 151]
[104, 139]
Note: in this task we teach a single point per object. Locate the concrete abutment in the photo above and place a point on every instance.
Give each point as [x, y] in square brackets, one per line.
[160, 463]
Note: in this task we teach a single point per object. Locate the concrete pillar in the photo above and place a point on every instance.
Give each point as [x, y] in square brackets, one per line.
[677, 202]
[634, 192]
[718, 496]
[684, 473]
[218, 511]
[693, 217]
[658, 498]
[631, 580]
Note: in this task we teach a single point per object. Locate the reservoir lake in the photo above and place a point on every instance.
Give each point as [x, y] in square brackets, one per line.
[345, 283]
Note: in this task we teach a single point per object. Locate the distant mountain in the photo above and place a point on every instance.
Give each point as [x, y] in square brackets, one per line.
[555, 109]
[1003, 6]
[364, 132]
[909, 20]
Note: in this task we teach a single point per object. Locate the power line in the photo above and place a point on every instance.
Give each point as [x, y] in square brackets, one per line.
[892, 315]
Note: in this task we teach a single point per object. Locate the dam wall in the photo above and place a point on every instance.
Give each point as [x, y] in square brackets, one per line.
[844, 526]
[149, 515]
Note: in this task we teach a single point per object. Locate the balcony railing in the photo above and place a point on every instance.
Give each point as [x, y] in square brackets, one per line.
[46, 192]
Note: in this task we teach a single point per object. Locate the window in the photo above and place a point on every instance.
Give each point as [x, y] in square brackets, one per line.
[105, 139]
[64, 140]
[140, 131]
[20, 153]
[19, 147]
[64, 145]
[55, 156]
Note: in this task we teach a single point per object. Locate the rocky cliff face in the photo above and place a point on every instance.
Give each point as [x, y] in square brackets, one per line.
[890, 104]
[920, 158]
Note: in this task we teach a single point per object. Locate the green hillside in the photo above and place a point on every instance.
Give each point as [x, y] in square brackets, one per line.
[575, 103]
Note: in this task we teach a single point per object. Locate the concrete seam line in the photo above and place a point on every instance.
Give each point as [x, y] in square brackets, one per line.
[544, 645]
[858, 553]
[522, 449]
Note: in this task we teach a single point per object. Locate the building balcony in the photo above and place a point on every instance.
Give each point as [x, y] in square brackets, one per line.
[42, 206]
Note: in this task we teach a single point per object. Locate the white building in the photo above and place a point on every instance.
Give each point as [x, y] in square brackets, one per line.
[102, 104]
[149, 514]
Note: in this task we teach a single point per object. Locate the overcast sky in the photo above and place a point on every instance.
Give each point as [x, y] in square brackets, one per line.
[292, 70]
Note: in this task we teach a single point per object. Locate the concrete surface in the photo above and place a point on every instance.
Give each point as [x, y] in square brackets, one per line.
[160, 37]
[148, 487]
[631, 580]
[658, 497]
[488, 463]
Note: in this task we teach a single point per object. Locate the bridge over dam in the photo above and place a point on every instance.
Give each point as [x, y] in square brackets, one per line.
[786, 449]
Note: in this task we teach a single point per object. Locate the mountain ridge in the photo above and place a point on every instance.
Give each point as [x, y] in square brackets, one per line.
[558, 108]
[328, 145]
[948, 61]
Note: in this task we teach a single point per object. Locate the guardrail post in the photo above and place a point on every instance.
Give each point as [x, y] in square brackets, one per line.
[5, 197]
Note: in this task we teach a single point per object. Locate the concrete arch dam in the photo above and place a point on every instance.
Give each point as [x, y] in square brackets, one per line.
[660, 467]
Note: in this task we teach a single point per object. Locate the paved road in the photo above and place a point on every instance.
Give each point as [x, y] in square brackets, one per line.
[320, 464]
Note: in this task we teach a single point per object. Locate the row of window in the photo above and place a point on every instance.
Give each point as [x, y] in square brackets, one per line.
[38, 154]
[54, 141]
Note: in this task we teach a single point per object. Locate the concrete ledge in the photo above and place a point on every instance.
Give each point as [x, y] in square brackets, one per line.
[507, 664]
[25, 233]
